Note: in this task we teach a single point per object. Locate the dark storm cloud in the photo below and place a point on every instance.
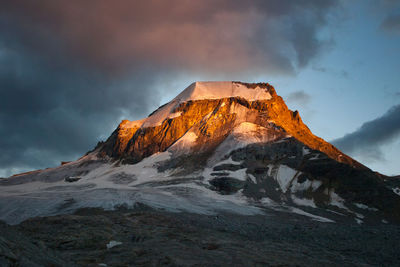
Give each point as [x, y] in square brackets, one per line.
[49, 115]
[367, 140]
[70, 70]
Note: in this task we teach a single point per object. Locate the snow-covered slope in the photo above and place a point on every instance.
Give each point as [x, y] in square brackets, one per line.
[252, 177]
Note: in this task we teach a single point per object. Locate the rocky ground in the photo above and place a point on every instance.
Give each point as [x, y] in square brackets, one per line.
[151, 238]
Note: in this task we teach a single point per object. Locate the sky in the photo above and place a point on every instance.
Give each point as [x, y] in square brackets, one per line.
[70, 71]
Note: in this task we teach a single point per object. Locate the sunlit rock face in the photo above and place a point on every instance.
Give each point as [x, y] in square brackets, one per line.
[205, 114]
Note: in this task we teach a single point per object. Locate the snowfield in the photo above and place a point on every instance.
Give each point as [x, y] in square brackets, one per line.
[109, 185]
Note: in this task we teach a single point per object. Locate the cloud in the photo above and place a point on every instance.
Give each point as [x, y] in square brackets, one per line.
[391, 21]
[299, 97]
[223, 35]
[69, 71]
[48, 115]
[391, 24]
[367, 140]
[340, 73]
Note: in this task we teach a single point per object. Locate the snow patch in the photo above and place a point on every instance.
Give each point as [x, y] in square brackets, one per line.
[296, 186]
[113, 243]
[131, 124]
[360, 216]
[185, 143]
[364, 207]
[228, 161]
[336, 200]
[284, 176]
[143, 171]
[303, 201]
[206, 200]
[246, 127]
[338, 213]
[359, 221]
[314, 217]
[306, 151]
[315, 157]
[396, 190]
[238, 174]
[244, 134]
[217, 90]
[267, 201]
[284, 139]
[210, 169]
[174, 115]
[252, 178]
[160, 115]
[316, 184]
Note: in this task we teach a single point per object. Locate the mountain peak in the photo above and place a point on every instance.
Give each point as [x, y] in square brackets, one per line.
[226, 89]
[228, 146]
[206, 114]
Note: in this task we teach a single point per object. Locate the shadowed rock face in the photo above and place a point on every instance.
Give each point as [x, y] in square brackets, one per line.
[212, 120]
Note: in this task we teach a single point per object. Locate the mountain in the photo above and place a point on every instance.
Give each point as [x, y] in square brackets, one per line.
[209, 112]
[217, 147]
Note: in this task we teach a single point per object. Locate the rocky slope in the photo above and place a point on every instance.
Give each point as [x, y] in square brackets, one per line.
[218, 147]
[152, 238]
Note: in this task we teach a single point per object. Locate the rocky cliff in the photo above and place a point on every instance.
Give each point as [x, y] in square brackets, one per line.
[209, 120]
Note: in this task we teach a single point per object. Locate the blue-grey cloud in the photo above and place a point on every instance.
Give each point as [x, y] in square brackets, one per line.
[299, 97]
[367, 140]
[391, 24]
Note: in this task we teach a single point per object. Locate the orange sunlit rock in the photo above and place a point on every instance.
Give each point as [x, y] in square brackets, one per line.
[212, 120]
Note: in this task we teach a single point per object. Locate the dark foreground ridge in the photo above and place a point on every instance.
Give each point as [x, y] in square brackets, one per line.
[152, 238]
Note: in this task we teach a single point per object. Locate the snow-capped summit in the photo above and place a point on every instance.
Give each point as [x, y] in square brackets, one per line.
[207, 91]
[211, 111]
[218, 90]
[218, 146]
